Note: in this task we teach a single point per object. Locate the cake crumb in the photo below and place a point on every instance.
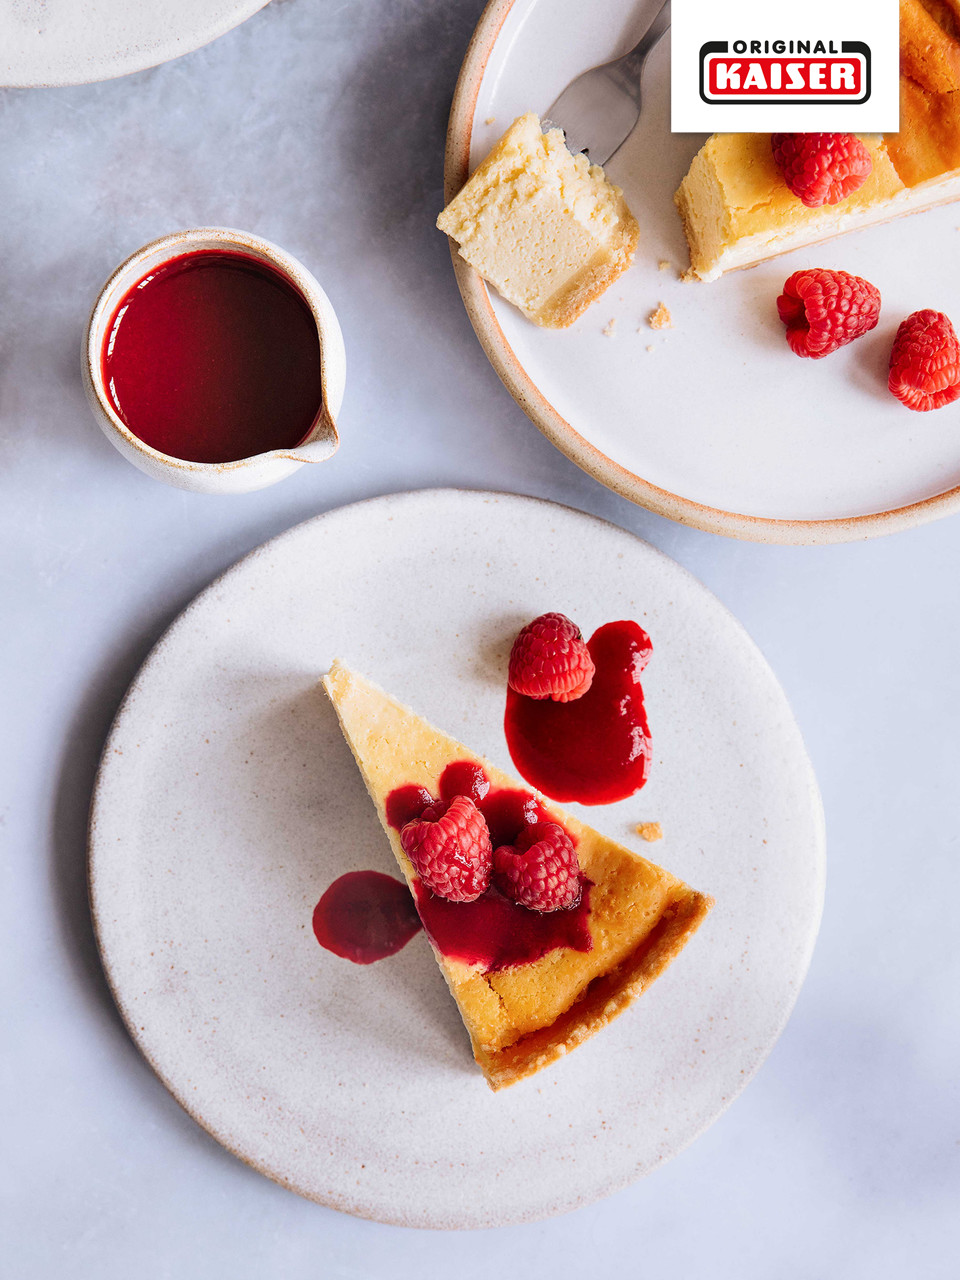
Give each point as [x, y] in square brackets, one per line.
[649, 831]
[611, 328]
[664, 264]
[661, 318]
[490, 120]
[650, 348]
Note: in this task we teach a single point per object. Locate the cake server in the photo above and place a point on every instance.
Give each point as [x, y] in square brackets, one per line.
[598, 110]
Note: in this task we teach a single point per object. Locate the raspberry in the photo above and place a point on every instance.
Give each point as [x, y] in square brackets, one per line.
[540, 870]
[449, 846]
[824, 310]
[821, 168]
[550, 659]
[925, 362]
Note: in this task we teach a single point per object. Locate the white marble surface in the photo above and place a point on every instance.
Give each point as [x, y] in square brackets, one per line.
[320, 126]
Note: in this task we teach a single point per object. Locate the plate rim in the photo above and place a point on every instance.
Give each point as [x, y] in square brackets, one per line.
[330, 1198]
[137, 58]
[560, 432]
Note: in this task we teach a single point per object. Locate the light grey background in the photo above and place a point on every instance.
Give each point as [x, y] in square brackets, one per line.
[320, 125]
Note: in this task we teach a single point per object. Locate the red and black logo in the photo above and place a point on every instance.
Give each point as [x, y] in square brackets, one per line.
[798, 71]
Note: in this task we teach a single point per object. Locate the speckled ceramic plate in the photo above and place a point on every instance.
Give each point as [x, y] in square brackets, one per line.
[714, 422]
[57, 42]
[227, 801]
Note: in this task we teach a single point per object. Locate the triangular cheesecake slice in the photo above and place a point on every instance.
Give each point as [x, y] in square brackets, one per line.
[529, 987]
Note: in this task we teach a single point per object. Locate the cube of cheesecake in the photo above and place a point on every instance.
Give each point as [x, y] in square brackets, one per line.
[544, 227]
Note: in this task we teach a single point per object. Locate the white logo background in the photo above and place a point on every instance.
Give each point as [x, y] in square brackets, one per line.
[695, 22]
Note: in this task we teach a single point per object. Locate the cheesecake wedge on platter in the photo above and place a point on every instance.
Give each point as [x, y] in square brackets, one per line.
[529, 986]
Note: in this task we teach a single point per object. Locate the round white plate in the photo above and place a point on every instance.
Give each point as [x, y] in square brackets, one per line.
[227, 802]
[719, 425]
[57, 42]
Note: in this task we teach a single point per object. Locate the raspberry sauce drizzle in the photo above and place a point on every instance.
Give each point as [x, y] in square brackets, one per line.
[596, 749]
[365, 916]
[404, 804]
[493, 932]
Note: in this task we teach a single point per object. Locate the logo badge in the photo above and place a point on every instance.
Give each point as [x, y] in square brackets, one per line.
[767, 71]
[828, 66]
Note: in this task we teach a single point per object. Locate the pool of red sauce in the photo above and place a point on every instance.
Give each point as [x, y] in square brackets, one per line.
[365, 916]
[596, 749]
[212, 357]
[493, 932]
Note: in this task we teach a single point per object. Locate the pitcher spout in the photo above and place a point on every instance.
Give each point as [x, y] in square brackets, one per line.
[322, 442]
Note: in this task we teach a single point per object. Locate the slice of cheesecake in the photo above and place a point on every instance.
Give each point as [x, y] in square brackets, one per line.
[544, 227]
[529, 987]
[737, 210]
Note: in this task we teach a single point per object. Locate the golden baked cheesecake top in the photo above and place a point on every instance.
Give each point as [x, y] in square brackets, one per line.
[544, 227]
[536, 1000]
[927, 145]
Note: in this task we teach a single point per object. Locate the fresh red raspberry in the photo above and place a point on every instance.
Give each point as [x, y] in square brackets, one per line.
[925, 362]
[550, 659]
[824, 310]
[540, 870]
[821, 168]
[449, 846]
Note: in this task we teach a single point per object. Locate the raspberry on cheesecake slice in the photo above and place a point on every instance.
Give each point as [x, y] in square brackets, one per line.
[541, 225]
[543, 928]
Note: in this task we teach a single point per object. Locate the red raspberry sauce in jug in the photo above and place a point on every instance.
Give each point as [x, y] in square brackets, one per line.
[212, 357]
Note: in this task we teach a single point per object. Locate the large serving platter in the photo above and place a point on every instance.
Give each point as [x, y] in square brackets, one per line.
[227, 802]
